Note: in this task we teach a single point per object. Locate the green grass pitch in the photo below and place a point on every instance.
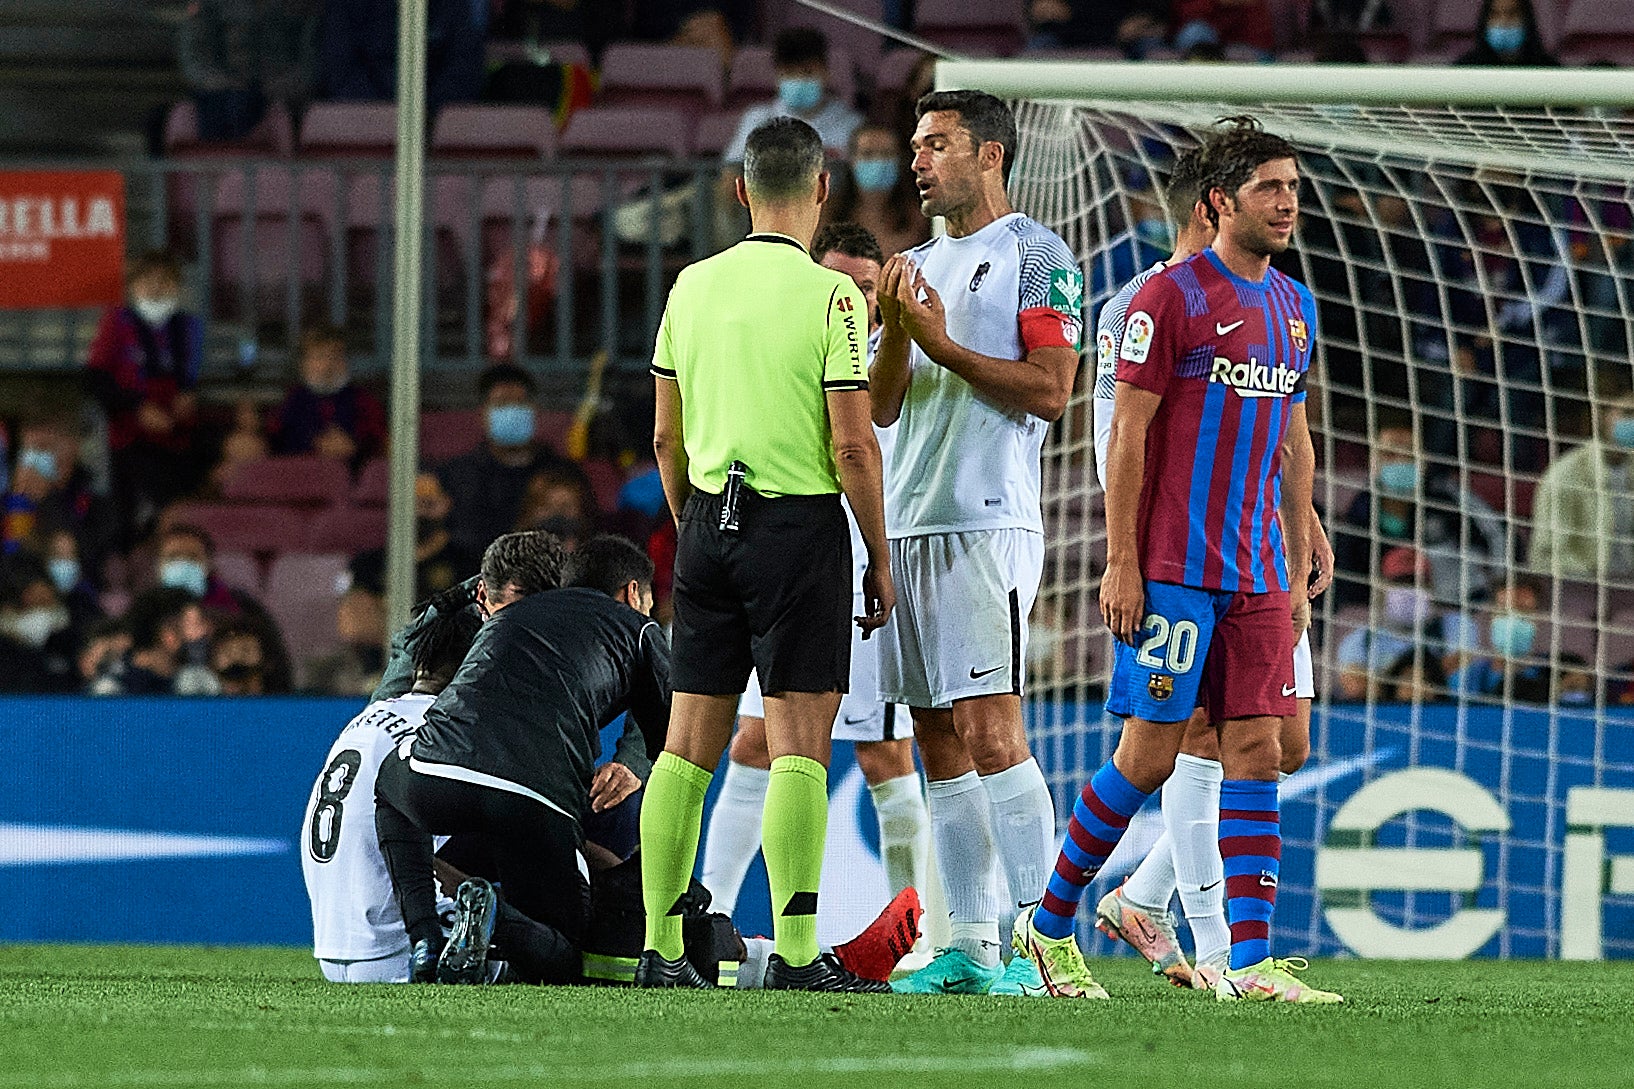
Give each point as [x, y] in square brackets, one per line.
[156, 1017]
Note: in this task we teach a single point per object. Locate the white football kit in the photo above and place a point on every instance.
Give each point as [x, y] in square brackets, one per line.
[962, 485]
[357, 929]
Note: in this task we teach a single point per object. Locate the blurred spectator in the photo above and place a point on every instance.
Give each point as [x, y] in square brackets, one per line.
[167, 628]
[1414, 677]
[184, 562]
[539, 22]
[1583, 511]
[487, 485]
[1135, 26]
[69, 577]
[37, 650]
[1506, 34]
[1574, 682]
[359, 52]
[1511, 638]
[238, 658]
[106, 643]
[439, 562]
[1410, 501]
[143, 367]
[559, 503]
[709, 24]
[877, 191]
[246, 441]
[800, 55]
[51, 493]
[1224, 22]
[327, 413]
[1406, 624]
[237, 55]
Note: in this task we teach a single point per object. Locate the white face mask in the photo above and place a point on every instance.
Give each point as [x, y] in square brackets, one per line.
[34, 627]
[155, 312]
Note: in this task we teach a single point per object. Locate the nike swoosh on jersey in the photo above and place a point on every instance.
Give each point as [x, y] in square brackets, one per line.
[978, 676]
[1222, 330]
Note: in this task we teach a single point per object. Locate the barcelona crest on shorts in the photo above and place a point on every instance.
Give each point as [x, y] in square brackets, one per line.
[1299, 334]
[1160, 686]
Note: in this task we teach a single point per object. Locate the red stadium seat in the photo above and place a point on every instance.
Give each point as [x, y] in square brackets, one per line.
[372, 488]
[1598, 30]
[752, 79]
[997, 28]
[350, 129]
[449, 433]
[677, 77]
[306, 479]
[494, 132]
[346, 528]
[303, 595]
[238, 569]
[271, 224]
[244, 527]
[625, 131]
[715, 131]
[274, 135]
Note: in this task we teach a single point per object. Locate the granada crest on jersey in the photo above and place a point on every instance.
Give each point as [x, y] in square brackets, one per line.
[981, 274]
[1137, 337]
[1067, 291]
[1299, 334]
[1160, 686]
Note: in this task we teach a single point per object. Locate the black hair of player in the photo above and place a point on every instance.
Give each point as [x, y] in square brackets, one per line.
[987, 119]
[608, 563]
[1237, 152]
[198, 533]
[850, 239]
[1188, 184]
[505, 374]
[152, 612]
[531, 560]
[798, 45]
[444, 642]
[781, 160]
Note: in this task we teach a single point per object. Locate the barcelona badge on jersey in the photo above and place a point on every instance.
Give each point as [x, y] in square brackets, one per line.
[1299, 334]
[1160, 687]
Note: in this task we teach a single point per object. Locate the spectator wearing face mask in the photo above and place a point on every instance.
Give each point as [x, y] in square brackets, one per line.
[51, 493]
[1410, 502]
[561, 504]
[37, 650]
[1405, 623]
[170, 639]
[143, 368]
[439, 562]
[876, 191]
[1583, 511]
[1506, 35]
[1505, 670]
[487, 485]
[68, 577]
[184, 562]
[327, 413]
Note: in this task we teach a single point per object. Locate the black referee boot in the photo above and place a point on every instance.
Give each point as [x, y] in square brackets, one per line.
[653, 970]
[825, 973]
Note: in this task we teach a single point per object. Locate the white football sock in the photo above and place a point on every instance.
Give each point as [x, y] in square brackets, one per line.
[1152, 884]
[904, 831]
[1023, 829]
[1191, 812]
[963, 834]
[733, 837]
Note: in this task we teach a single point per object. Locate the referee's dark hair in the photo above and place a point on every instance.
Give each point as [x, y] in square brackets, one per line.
[850, 239]
[1235, 153]
[444, 642]
[153, 611]
[609, 563]
[987, 119]
[781, 159]
[532, 561]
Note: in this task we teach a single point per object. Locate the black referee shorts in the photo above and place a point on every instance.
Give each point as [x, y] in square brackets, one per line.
[775, 596]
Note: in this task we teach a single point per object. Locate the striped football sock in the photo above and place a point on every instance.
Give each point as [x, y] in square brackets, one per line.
[1251, 848]
[1099, 819]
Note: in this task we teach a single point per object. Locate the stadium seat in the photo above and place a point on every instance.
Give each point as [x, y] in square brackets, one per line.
[627, 131]
[1452, 26]
[369, 209]
[238, 569]
[271, 224]
[997, 28]
[274, 135]
[679, 77]
[752, 79]
[350, 130]
[494, 132]
[245, 527]
[1598, 30]
[373, 480]
[448, 433]
[303, 595]
[345, 528]
[559, 51]
[715, 131]
[304, 479]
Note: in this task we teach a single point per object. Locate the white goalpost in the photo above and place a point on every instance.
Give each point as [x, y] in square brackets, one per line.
[1469, 236]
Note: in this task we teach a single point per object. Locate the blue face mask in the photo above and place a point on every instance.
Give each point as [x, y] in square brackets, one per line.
[1505, 39]
[1622, 432]
[510, 425]
[799, 95]
[64, 573]
[1512, 635]
[1399, 477]
[43, 462]
[874, 175]
[188, 575]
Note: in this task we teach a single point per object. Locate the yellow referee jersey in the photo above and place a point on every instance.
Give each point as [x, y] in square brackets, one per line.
[756, 336]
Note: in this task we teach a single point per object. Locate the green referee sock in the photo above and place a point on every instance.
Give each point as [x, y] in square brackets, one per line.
[671, 816]
[792, 837]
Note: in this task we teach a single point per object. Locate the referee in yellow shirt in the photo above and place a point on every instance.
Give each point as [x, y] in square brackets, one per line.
[762, 420]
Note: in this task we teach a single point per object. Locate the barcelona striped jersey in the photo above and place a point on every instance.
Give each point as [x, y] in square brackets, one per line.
[1228, 356]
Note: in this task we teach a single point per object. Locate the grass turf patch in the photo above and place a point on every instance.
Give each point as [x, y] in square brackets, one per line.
[74, 1016]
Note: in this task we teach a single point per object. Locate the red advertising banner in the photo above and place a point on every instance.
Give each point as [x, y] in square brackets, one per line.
[62, 238]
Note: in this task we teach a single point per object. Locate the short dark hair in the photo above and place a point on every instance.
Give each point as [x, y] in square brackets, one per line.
[851, 239]
[151, 261]
[188, 529]
[1237, 152]
[987, 119]
[608, 563]
[532, 560]
[799, 45]
[501, 374]
[782, 159]
[153, 611]
[1187, 185]
[321, 334]
[444, 642]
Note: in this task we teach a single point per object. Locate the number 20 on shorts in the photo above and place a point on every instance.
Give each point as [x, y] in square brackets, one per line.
[1171, 648]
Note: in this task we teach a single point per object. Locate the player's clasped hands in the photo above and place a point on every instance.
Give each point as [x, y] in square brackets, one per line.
[878, 597]
[1123, 600]
[907, 301]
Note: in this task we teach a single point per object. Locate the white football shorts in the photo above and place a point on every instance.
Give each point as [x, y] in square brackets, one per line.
[1304, 672]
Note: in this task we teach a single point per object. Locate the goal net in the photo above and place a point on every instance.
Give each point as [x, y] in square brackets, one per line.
[1471, 779]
